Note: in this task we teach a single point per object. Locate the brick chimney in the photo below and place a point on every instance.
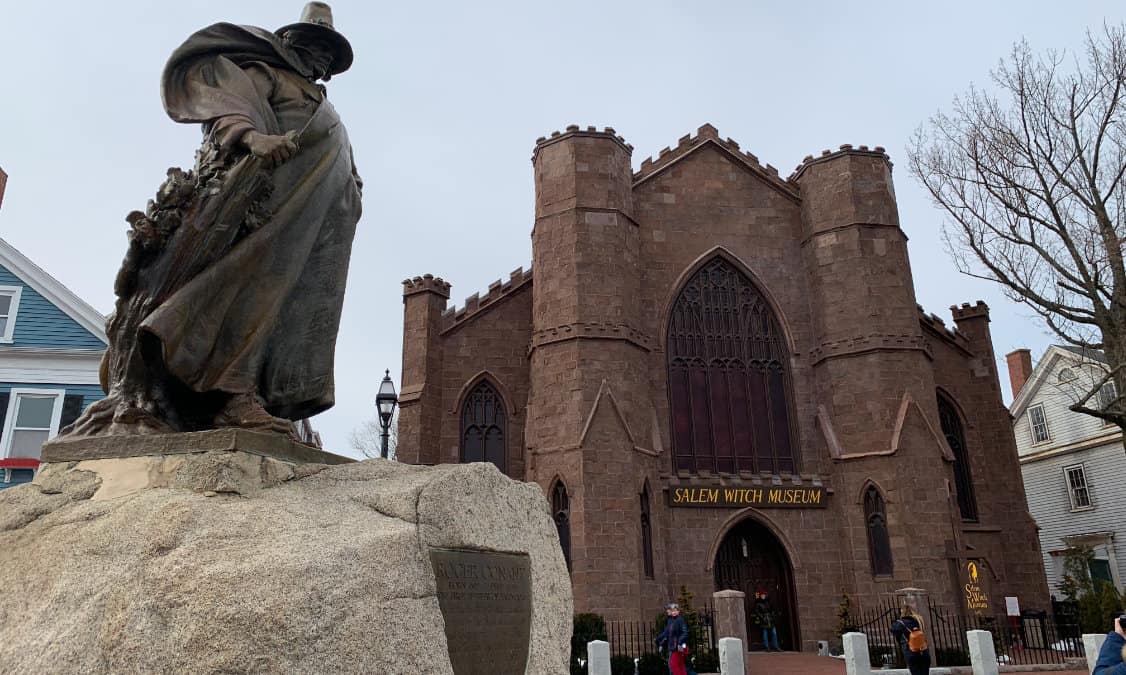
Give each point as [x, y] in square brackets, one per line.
[3, 182]
[1020, 369]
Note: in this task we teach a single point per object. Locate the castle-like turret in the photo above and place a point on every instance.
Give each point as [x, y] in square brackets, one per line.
[587, 353]
[420, 417]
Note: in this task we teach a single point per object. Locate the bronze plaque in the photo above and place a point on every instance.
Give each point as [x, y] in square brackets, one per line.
[486, 601]
[769, 496]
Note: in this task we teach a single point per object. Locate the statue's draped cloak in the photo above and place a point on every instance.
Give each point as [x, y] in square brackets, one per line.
[264, 317]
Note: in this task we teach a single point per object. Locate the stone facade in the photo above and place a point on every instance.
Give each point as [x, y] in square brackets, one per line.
[579, 356]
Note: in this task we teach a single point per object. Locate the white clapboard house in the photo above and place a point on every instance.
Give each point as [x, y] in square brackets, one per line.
[1073, 464]
[51, 343]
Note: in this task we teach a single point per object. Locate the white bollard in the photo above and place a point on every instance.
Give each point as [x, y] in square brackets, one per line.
[1092, 645]
[856, 654]
[598, 657]
[731, 656]
[983, 657]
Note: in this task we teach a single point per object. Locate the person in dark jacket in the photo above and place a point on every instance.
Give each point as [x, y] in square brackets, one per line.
[918, 663]
[764, 617]
[675, 638]
[1112, 657]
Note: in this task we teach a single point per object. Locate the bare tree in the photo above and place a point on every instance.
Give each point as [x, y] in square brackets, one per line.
[1030, 175]
[367, 438]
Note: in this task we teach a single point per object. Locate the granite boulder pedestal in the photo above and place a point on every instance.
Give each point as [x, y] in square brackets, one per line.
[217, 557]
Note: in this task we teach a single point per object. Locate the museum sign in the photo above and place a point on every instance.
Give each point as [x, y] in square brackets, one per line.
[775, 496]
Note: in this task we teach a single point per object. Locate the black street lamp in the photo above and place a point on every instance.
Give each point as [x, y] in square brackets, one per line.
[385, 401]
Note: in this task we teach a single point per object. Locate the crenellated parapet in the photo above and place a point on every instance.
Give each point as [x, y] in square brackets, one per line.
[476, 303]
[575, 130]
[936, 326]
[829, 155]
[707, 134]
[967, 311]
[427, 283]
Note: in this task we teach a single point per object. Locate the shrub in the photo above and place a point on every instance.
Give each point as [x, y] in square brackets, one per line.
[586, 627]
[877, 655]
[951, 656]
[621, 665]
[705, 661]
[652, 663]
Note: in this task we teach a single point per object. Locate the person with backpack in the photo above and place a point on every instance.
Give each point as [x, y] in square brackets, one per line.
[675, 638]
[908, 632]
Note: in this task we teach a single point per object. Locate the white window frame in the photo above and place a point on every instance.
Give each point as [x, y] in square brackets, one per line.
[1070, 490]
[10, 331]
[1032, 425]
[10, 418]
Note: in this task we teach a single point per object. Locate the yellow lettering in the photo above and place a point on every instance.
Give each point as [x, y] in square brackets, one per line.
[775, 496]
[732, 496]
[756, 496]
[815, 497]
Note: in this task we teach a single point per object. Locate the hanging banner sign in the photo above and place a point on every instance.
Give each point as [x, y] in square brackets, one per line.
[777, 497]
[977, 601]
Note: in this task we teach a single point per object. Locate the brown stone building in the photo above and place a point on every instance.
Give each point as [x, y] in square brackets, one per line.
[721, 379]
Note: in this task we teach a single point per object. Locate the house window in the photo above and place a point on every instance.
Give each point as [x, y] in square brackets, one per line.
[956, 438]
[9, 304]
[561, 513]
[728, 377]
[1077, 487]
[33, 417]
[1065, 375]
[483, 426]
[879, 543]
[646, 534]
[1107, 395]
[1038, 424]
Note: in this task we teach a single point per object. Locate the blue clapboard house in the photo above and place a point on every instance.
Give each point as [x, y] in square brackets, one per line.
[51, 343]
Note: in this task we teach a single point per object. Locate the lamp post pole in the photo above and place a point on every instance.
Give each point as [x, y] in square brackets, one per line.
[385, 402]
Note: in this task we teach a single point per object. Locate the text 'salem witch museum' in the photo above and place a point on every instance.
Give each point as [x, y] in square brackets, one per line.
[721, 379]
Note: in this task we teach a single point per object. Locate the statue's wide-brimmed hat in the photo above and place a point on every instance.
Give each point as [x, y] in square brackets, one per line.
[316, 21]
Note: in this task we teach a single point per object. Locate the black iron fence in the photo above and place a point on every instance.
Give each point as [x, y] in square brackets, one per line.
[636, 638]
[1031, 639]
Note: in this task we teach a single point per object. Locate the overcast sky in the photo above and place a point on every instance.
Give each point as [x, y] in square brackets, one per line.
[443, 105]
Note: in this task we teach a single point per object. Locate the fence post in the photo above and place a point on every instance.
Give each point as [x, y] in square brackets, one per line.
[732, 658]
[731, 615]
[598, 657]
[856, 654]
[983, 657]
[1092, 645]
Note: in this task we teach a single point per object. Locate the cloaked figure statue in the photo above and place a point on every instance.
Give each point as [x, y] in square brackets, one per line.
[229, 297]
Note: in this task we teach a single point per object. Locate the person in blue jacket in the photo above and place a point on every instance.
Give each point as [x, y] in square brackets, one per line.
[1112, 657]
[675, 638]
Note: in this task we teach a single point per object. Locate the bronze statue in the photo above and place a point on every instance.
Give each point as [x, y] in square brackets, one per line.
[229, 297]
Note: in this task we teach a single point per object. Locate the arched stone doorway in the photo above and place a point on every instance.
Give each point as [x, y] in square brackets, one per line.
[751, 557]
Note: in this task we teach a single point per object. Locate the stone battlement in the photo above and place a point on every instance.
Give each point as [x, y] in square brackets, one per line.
[574, 130]
[845, 149]
[424, 283]
[968, 311]
[475, 303]
[651, 166]
[938, 325]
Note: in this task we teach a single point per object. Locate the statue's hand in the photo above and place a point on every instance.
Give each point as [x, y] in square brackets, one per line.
[274, 149]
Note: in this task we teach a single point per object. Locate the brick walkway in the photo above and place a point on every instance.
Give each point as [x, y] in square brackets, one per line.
[759, 663]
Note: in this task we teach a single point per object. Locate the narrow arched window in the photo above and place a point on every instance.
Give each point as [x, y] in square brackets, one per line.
[646, 533]
[561, 513]
[879, 543]
[956, 438]
[728, 376]
[482, 426]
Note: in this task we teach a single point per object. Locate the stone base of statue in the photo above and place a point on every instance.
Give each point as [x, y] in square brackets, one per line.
[228, 560]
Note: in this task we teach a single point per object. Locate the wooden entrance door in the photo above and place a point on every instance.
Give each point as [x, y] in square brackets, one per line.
[750, 558]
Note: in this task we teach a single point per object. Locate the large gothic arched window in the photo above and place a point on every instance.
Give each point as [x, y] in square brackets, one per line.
[728, 380]
[879, 542]
[561, 513]
[956, 438]
[482, 426]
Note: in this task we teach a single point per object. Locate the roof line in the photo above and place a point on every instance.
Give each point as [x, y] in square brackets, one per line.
[53, 290]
